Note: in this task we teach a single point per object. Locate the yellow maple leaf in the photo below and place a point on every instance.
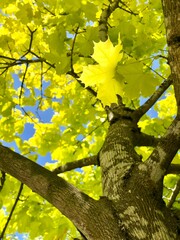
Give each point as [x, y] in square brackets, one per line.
[102, 75]
[106, 54]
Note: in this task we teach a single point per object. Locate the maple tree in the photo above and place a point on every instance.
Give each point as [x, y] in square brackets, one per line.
[106, 75]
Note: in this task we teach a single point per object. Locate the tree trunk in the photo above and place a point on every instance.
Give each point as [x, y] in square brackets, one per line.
[127, 183]
[131, 207]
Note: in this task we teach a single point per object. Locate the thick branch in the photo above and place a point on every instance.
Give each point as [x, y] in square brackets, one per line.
[171, 11]
[74, 204]
[143, 139]
[174, 169]
[160, 159]
[151, 101]
[93, 160]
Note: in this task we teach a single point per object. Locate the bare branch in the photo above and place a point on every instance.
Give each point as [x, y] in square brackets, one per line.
[93, 160]
[175, 192]
[151, 101]
[12, 210]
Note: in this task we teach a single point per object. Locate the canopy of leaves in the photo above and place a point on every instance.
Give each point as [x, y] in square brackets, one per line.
[48, 51]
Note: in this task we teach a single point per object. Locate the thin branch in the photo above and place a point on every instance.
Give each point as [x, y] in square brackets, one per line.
[26, 113]
[93, 130]
[88, 134]
[53, 14]
[75, 75]
[31, 41]
[127, 9]
[92, 160]
[106, 13]
[8, 58]
[22, 83]
[16, 62]
[175, 192]
[41, 87]
[72, 48]
[12, 210]
[151, 101]
[103, 21]
[72, 72]
[129, 55]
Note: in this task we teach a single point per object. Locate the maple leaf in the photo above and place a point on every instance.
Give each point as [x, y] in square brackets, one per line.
[102, 75]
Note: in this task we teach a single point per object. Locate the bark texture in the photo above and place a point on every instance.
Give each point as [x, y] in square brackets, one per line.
[171, 9]
[132, 207]
[127, 182]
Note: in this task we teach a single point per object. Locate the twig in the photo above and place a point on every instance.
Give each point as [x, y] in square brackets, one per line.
[29, 116]
[145, 64]
[75, 75]
[128, 10]
[22, 83]
[89, 133]
[31, 41]
[12, 210]
[53, 14]
[93, 160]
[41, 87]
[72, 48]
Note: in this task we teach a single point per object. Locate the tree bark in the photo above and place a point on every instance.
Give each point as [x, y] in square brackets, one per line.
[132, 207]
[171, 9]
[94, 219]
[127, 182]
